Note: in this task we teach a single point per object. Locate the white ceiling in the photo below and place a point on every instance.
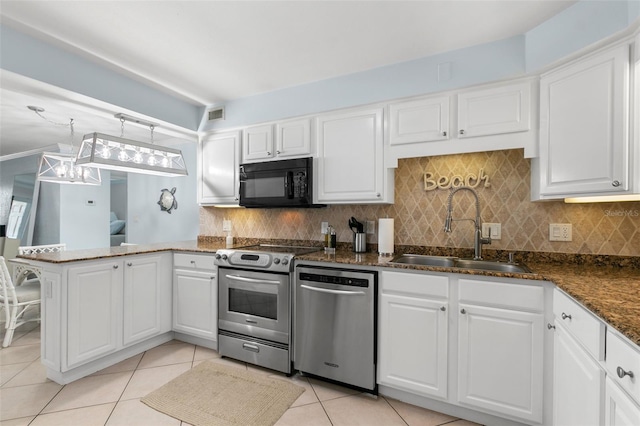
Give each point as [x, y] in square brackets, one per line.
[208, 52]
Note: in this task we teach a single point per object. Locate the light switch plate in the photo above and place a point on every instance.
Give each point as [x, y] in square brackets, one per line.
[226, 225]
[560, 232]
[496, 230]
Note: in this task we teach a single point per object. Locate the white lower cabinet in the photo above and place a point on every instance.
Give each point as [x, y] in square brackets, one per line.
[115, 303]
[578, 383]
[413, 327]
[500, 347]
[578, 376]
[620, 409]
[195, 296]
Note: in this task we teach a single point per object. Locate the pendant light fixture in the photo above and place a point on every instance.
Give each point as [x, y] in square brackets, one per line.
[62, 168]
[126, 155]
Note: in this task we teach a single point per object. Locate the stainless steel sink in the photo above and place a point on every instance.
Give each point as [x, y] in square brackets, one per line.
[424, 260]
[454, 262]
[488, 265]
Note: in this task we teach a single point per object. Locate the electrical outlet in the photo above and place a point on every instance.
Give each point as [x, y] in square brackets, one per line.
[323, 227]
[370, 227]
[560, 232]
[226, 225]
[496, 230]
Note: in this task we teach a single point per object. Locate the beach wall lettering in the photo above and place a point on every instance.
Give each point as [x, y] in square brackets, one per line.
[443, 182]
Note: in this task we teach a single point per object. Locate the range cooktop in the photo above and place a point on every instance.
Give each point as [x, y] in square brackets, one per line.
[267, 257]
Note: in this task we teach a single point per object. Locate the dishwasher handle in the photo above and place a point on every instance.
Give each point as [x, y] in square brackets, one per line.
[340, 292]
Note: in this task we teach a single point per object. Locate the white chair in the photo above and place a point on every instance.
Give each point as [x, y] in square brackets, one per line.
[16, 301]
[23, 270]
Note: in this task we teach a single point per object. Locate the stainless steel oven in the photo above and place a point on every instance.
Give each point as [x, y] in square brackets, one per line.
[254, 304]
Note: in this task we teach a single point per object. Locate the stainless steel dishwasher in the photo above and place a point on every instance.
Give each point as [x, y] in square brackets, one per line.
[335, 324]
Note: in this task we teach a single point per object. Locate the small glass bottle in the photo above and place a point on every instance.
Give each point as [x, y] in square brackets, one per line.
[332, 241]
[327, 238]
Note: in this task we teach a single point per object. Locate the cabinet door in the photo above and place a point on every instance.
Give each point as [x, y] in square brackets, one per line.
[195, 303]
[94, 319]
[493, 111]
[350, 165]
[257, 143]
[293, 138]
[620, 410]
[584, 126]
[578, 383]
[500, 361]
[423, 120]
[147, 297]
[218, 168]
[413, 345]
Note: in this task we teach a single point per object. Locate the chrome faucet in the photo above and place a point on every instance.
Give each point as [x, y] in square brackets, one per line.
[478, 240]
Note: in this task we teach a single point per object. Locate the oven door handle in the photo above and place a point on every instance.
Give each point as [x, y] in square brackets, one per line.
[326, 290]
[251, 280]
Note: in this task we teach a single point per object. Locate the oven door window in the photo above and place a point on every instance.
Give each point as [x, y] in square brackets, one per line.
[254, 303]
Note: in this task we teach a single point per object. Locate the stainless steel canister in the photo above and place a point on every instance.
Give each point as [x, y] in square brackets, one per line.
[359, 242]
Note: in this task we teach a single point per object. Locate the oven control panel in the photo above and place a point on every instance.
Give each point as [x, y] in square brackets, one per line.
[258, 260]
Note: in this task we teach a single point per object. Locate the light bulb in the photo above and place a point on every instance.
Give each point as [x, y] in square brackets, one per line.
[165, 161]
[152, 160]
[61, 170]
[137, 158]
[122, 155]
[105, 152]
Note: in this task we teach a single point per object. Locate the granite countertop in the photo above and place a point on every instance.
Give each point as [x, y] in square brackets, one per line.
[607, 286]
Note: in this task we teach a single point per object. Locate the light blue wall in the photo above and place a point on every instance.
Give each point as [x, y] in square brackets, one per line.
[478, 64]
[31, 57]
[146, 223]
[577, 27]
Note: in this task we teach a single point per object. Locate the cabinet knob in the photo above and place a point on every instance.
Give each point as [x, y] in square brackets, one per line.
[378, 195]
[444, 133]
[268, 153]
[278, 152]
[443, 308]
[463, 311]
[565, 316]
[213, 278]
[236, 199]
[462, 131]
[115, 266]
[551, 326]
[193, 262]
[616, 183]
[622, 373]
[129, 264]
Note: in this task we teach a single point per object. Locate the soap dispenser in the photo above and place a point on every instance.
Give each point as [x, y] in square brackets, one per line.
[229, 239]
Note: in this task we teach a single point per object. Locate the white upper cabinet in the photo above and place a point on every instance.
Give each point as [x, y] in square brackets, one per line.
[292, 139]
[218, 168]
[584, 127]
[350, 165]
[494, 111]
[257, 143]
[421, 120]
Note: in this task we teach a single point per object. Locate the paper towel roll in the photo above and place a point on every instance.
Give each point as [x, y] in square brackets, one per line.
[385, 236]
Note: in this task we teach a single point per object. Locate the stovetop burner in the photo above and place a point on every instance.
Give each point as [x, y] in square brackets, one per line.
[266, 257]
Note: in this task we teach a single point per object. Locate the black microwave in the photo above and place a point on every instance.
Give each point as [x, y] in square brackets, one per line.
[284, 183]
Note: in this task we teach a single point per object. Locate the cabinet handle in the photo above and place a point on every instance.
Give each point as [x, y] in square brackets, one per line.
[462, 131]
[212, 278]
[463, 311]
[622, 373]
[115, 266]
[551, 326]
[565, 316]
[443, 308]
[268, 152]
[444, 133]
[278, 152]
[193, 262]
[129, 264]
[616, 183]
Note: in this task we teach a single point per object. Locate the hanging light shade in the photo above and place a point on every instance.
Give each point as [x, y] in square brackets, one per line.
[116, 153]
[62, 168]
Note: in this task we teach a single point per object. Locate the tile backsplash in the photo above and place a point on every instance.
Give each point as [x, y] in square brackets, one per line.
[600, 228]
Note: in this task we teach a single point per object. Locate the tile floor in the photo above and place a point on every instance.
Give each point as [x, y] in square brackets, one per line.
[112, 396]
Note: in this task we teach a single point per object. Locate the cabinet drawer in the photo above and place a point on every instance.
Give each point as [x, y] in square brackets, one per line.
[583, 325]
[502, 294]
[623, 357]
[195, 261]
[415, 284]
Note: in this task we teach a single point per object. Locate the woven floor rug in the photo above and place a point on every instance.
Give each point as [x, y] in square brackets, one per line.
[217, 395]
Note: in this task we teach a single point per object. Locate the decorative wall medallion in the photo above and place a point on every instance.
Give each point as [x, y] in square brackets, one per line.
[167, 200]
[455, 181]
